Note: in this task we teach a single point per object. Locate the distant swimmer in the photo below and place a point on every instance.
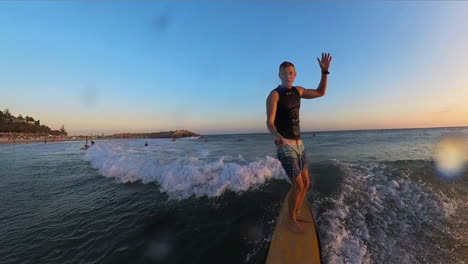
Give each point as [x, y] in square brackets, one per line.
[173, 139]
[86, 146]
[92, 142]
[146, 144]
[282, 107]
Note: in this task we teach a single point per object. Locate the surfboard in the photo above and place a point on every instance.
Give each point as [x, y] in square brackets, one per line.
[289, 247]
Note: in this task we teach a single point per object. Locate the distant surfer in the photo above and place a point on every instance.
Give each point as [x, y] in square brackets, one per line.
[282, 109]
[86, 146]
[146, 144]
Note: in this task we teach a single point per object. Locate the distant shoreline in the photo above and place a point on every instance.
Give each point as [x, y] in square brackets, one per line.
[18, 137]
[4, 140]
[24, 141]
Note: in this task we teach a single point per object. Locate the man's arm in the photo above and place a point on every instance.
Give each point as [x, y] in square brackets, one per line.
[271, 104]
[314, 93]
[322, 87]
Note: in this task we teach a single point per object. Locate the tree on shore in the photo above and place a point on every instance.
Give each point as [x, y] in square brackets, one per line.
[63, 131]
[7, 112]
[7, 125]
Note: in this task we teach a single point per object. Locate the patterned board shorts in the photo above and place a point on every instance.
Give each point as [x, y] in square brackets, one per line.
[293, 158]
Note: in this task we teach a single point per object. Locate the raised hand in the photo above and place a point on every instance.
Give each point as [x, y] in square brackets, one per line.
[325, 61]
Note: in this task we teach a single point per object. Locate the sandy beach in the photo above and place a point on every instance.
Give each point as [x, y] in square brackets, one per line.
[33, 140]
[17, 138]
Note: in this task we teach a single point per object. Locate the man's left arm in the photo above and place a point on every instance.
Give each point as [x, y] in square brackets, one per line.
[322, 87]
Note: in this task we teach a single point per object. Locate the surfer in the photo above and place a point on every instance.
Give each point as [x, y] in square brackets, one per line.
[282, 107]
[86, 146]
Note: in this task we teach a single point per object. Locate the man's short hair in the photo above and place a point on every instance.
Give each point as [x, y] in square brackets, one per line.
[286, 64]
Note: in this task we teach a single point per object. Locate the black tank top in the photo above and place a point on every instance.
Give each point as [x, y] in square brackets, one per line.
[287, 112]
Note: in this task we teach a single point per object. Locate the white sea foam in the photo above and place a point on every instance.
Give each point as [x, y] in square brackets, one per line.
[180, 173]
[377, 217]
[190, 138]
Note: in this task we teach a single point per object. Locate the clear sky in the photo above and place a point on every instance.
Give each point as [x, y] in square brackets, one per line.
[106, 67]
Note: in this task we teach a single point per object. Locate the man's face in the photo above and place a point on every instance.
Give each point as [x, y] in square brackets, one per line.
[287, 75]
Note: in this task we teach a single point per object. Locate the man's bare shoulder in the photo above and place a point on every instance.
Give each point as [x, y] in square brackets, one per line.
[308, 93]
[300, 89]
[273, 94]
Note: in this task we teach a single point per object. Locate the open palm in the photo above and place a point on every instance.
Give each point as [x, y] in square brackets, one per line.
[325, 61]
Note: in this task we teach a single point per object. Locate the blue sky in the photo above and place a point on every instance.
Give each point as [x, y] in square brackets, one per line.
[106, 67]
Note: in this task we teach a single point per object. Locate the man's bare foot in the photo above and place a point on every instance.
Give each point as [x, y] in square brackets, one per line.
[300, 218]
[295, 227]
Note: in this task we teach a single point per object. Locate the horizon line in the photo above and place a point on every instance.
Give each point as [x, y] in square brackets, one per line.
[347, 130]
[248, 133]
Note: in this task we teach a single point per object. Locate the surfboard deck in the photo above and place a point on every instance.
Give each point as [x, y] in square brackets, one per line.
[289, 247]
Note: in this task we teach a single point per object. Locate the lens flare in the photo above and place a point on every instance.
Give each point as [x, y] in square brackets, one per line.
[451, 157]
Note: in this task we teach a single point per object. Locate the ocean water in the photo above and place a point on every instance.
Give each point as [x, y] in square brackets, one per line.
[376, 197]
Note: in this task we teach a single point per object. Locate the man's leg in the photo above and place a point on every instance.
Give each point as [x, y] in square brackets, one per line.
[304, 178]
[294, 196]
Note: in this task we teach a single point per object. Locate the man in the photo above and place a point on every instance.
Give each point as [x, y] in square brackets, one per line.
[283, 105]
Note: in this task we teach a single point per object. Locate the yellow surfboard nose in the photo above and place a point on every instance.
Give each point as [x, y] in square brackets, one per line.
[291, 248]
